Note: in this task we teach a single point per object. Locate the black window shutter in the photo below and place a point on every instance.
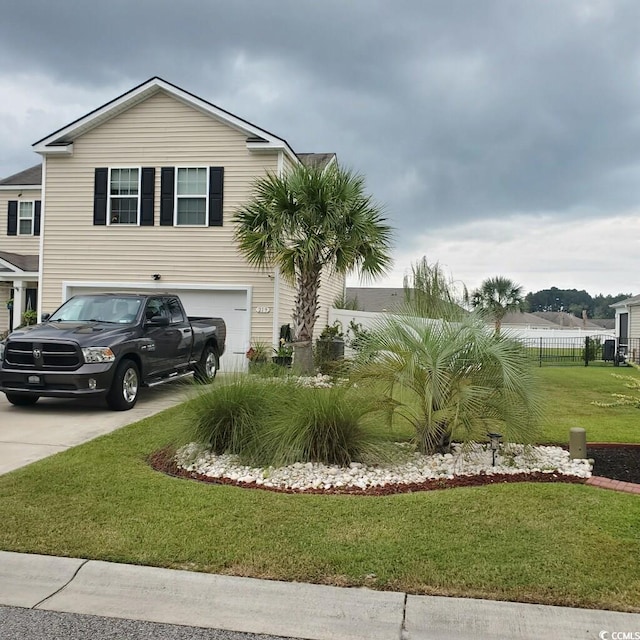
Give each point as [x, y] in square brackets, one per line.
[36, 218]
[12, 218]
[148, 189]
[166, 195]
[100, 196]
[216, 188]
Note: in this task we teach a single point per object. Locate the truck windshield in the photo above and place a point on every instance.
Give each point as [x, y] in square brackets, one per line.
[97, 308]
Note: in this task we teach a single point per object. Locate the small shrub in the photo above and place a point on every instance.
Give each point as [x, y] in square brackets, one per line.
[357, 336]
[332, 426]
[329, 348]
[227, 417]
[593, 349]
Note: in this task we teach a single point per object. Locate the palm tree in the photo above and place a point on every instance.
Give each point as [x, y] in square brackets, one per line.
[450, 379]
[497, 297]
[309, 222]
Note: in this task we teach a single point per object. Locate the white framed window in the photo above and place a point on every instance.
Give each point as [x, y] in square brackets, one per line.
[192, 196]
[26, 214]
[124, 196]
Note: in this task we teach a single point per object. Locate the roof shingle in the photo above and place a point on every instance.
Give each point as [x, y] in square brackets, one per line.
[30, 176]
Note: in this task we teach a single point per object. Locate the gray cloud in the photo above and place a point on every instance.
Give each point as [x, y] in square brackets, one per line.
[454, 110]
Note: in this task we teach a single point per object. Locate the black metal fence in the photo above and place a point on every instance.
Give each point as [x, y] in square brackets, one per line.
[584, 351]
[631, 349]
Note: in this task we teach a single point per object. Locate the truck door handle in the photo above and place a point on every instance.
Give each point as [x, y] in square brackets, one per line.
[186, 331]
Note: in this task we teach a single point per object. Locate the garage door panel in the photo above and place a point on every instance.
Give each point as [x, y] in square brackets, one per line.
[231, 306]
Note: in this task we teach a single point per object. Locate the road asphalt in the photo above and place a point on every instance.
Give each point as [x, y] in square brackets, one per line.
[51, 597]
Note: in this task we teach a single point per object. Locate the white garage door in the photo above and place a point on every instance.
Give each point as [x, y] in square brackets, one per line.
[230, 305]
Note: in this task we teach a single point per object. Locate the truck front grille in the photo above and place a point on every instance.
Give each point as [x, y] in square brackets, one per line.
[42, 355]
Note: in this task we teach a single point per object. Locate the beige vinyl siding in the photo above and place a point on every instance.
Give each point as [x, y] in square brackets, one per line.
[288, 164]
[287, 303]
[160, 132]
[331, 287]
[26, 245]
[634, 322]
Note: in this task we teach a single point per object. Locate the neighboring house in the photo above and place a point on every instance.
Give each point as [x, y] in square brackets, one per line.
[375, 298]
[20, 222]
[524, 320]
[139, 195]
[628, 325]
[568, 320]
[550, 320]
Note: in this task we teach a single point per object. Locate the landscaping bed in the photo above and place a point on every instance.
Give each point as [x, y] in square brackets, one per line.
[410, 471]
[618, 462]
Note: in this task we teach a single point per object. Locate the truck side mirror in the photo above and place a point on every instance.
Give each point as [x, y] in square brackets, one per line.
[158, 321]
[44, 317]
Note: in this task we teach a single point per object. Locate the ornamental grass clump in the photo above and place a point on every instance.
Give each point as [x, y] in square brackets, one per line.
[280, 421]
[227, 417]
[334, 426]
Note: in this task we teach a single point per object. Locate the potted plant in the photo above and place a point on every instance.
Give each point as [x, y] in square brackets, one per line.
[257, 354]
[29, 317]
[329, 346]
[284, 354]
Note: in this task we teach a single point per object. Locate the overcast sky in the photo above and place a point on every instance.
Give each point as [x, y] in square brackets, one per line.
[502, 137]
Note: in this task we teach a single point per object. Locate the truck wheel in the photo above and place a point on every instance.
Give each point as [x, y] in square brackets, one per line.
[125, 386]
[21, 400]
[207, 368]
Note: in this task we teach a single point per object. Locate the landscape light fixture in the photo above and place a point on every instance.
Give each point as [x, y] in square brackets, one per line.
[494, 442]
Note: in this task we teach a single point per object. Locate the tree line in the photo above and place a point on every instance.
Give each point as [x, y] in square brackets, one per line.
[574, 302]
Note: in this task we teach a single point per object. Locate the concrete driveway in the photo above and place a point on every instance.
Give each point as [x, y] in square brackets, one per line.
[31, 433]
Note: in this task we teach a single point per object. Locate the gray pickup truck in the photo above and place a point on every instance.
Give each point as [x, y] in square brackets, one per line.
[109, 345]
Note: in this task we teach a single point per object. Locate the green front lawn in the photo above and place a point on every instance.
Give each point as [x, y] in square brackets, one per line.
[559, 544]
[568, 393]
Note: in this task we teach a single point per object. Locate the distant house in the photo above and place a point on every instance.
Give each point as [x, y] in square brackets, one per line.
[139, 195]
[375, 299]
[20, 227]
[628, 325]
[551, 320]
[517, 320]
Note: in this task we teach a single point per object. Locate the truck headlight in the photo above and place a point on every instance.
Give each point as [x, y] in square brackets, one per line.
[1, 351]
[98, 354]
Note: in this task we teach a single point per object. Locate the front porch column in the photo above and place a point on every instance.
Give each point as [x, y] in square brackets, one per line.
[19, 294]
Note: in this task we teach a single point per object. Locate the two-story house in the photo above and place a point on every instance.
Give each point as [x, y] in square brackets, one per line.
[139, 195]
[20, 220]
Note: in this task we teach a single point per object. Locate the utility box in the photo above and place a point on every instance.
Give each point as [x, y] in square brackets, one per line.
[577, 443]
[609, 350]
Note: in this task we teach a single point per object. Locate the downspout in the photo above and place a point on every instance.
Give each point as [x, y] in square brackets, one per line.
[276, 275]
[43, 217]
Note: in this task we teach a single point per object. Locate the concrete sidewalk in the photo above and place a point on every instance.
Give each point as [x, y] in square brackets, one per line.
[285, 609]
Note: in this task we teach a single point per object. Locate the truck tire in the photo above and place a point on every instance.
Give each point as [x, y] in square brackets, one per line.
[21, 399]
[206, 369]
[125, 387]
